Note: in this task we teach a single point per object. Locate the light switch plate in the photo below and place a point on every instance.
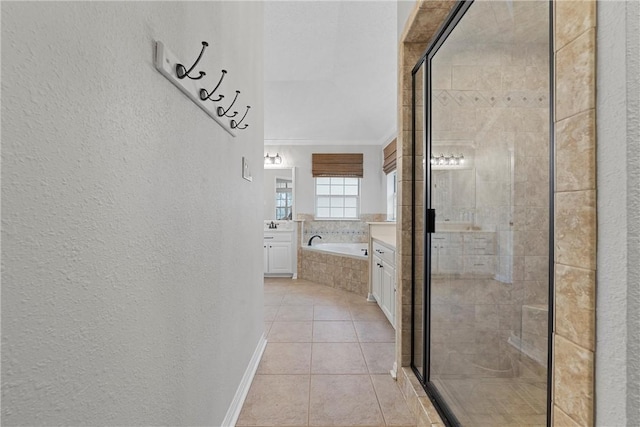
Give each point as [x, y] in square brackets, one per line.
[246, 172]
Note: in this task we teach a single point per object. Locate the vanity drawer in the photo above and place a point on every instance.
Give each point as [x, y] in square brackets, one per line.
[384, 252]
[283, 236]
[479, 244]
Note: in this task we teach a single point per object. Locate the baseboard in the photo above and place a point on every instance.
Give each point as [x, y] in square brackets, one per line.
[241, 393]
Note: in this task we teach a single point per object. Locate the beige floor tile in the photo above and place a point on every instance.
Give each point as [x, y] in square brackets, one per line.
[367, 312]
[343, 400]
[276, 400]
[354, 299]
[297, 313]
[394, 407]
[270, 312]
[375, 331]
[294, 313]
[379, 356]
[267, 328]
[337, 358]
[331, 312]
[285, 282]
[273, 299]
[297, 299]
[290, 332]
[334, 331]
[286, 358]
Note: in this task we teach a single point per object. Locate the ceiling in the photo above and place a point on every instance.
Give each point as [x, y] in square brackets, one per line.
[330, 72]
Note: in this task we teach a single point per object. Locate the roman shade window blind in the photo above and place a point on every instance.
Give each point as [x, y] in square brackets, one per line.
[389, 151]
[341, 165]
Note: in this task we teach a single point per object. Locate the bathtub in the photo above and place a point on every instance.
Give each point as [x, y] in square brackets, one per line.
[356, 250]
[339, 265]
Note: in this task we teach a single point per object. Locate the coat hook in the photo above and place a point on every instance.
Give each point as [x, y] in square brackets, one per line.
[223, 112]
[234, 124]
[203, 92]
[182, 72]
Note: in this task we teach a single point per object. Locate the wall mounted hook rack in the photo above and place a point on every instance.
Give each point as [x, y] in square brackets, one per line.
[182, 72]
[223, 112]
[235, 125]
[204, 95]
[167, 64]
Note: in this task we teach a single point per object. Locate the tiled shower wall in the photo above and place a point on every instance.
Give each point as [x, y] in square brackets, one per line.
[575, 218]
[491, 102]
[575, 213]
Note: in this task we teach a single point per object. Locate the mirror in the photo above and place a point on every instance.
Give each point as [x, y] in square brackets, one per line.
[279, 191]
[453, 186]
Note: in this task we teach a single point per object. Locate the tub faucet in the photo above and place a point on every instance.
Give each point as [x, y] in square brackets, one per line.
[313, 237]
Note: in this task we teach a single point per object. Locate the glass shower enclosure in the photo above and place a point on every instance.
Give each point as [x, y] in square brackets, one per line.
[481, 215]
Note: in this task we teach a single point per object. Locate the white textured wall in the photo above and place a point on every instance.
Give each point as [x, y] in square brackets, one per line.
[618, 154]
[373, 185]
[124, 214]
[404, 9]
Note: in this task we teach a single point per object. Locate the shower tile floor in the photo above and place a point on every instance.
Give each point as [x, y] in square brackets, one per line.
[326, 363]
[505, 402]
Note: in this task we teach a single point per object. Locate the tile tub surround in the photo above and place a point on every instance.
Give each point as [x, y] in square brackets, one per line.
[326, 363]
[340, 272]
[574, 105]
[336, 231]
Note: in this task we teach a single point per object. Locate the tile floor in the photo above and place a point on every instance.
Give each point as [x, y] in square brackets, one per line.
[505, 402]
[326, 363]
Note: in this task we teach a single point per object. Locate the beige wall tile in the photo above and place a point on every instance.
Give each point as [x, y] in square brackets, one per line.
[425, 24]
[576, 152]
[560, 419]
[435, 4]
[575, 305]
[575, 76]
[573, 380]
[575, 235]
[473, 77]
[573, 18]
[411, 52]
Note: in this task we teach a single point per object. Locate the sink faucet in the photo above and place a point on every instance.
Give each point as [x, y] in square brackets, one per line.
[313, 237]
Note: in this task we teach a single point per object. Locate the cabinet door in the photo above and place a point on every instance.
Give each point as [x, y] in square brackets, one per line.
[388, 291]
[450, 258]
[280, 257]
[376, 278]
[265, 255]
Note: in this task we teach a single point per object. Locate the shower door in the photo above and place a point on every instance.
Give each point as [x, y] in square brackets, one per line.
[482, 165]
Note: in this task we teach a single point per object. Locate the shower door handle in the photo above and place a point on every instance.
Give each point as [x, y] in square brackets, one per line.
[431, 221]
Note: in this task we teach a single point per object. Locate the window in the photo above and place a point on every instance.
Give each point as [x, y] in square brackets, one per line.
[392, 195]
[337, 198]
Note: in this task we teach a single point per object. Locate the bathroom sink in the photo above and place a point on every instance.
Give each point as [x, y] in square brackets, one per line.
[281, 225]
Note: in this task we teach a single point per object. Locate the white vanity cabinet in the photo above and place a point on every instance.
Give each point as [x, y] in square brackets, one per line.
[383, 278]
[467, 253]
[278, 253]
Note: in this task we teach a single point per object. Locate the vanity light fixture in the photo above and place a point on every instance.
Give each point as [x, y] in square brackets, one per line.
[272, 160]
[450, 160]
